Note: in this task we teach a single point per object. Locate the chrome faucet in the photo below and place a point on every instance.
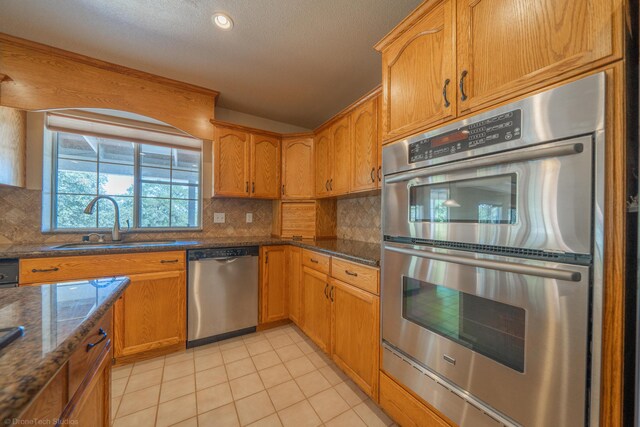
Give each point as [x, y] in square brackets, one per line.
[115, 232]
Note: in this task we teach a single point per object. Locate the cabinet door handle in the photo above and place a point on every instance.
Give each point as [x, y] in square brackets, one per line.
[246, 186]
[331, 293]
[444, 93]
[331, 184]
[253, 187]
[315, 261]
[379, 173]
[373, 174]
[45, 270]
[351, 273]
[326, 294]
[283, 189]
[463, 96]
[326, 185]
[169, 261]
[103, 335]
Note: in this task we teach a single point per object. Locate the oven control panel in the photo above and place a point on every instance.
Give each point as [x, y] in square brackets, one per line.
[494, 130]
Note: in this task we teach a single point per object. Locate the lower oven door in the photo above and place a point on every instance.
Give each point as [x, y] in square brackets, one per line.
[510, 332]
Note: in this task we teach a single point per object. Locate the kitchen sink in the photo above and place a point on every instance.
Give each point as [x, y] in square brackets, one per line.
[108, 245]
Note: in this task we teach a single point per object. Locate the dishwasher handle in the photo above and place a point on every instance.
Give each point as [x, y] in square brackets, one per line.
[228, 260]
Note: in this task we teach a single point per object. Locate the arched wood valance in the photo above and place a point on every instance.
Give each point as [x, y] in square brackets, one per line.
[40, 77]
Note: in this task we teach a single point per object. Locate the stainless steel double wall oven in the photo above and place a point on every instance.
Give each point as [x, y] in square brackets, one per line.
[492, 261]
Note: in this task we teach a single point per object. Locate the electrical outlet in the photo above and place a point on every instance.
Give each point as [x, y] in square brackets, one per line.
[249, 217]
[218, 217]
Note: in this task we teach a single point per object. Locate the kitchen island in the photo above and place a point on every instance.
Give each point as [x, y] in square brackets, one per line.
[60, 367]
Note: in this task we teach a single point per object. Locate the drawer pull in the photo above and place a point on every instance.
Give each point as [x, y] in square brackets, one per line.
[103, 334]
[313, 260]
[45, 270]
[168, 261]
[351, 273]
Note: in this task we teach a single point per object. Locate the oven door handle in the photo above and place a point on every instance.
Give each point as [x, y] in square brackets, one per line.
[531, 270]
[511, 157]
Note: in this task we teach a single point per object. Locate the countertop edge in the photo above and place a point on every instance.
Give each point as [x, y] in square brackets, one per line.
[57, 358]
[189, 245]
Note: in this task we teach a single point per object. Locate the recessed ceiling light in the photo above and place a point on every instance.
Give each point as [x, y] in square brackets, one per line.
[222, 21]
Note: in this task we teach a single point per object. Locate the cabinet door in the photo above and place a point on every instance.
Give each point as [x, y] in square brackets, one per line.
[323, 154]
[341, 142]
[294, 282]
[379, 138]
[316, 307]
[92, 406]
[364, 146]
[230, 163]
[356, 334]
[418, 74]
[274, 299]
[507, 47]
[297, 169]
[265, 167]
[150, 315]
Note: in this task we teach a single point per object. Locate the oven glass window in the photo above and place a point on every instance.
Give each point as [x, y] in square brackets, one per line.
[491, 328]
[487, 200]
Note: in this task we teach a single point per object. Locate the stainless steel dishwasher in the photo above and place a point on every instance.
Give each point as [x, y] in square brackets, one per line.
[223, 294]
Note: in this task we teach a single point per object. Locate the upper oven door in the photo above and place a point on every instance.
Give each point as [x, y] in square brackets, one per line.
[538, 197]
[512, 332]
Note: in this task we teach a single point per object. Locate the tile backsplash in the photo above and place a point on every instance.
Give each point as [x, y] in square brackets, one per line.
[20, 215]
[359, 218]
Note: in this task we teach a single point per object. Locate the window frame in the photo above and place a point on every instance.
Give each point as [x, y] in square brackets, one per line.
[137, 193]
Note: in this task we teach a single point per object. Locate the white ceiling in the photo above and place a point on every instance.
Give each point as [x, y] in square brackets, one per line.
[293, 61]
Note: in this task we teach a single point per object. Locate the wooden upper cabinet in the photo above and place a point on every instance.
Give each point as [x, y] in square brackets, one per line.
[265, 166]
[297, 168]
[510, 47]
[364, 146]
[340, 165]
[418, 71]
[323, 159]
[230, 162]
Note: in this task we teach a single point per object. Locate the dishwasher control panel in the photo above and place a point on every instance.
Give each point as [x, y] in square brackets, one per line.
[197, 254]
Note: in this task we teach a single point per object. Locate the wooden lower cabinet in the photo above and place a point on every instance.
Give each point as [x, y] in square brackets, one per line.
[342, 319]
[405, 409]
[273, 284]
[151, 315]
[316, 307]
[294, 283]
[80, 392]
[93, 406]
[355, 330]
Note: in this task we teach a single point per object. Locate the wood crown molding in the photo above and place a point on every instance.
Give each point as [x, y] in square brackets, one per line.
[6, 38]
[242, 128]
[404, 25]
[345, 111]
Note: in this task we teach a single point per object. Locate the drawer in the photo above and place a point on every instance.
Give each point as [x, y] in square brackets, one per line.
[316, 261]
[56, 269]
[88, 352]
[405, 409]
[358, 275]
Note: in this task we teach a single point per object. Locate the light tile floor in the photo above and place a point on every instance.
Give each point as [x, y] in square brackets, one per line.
[273, 378]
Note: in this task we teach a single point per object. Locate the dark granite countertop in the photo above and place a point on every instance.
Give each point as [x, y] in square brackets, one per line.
[362, 252]
[56, 318]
